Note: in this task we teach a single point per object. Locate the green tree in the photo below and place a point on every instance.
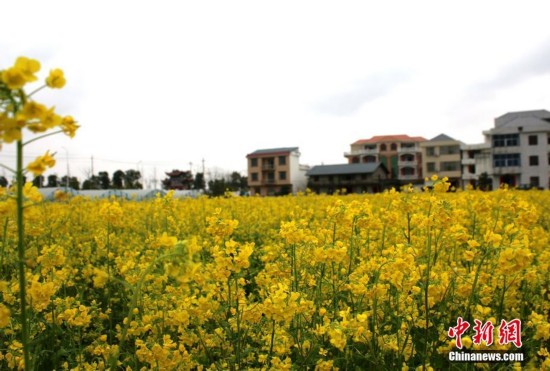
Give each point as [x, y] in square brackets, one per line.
[132, 179]
[484, 183]
[3, 181]
[104, 181]
[53, 181]
[74, 183]
[217, 187]
[118, 179]
[91, 183]
[39, 181]
[199, 182]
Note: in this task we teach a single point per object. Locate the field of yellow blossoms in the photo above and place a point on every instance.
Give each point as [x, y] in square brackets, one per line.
[397, 280]
[297, 282]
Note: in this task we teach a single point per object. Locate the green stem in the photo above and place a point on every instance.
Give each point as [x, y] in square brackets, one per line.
[42, 136]
[8, 168]
[21, 257]
[4, 239]
[36, 91]
[271, 344]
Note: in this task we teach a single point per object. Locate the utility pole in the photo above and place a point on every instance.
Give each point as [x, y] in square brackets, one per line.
[68, 171]
[92, 165]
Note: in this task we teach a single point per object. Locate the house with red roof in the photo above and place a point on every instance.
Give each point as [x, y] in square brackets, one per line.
[400, 154]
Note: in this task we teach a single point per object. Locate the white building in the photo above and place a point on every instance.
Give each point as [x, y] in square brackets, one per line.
[520, 149]
[476, 159]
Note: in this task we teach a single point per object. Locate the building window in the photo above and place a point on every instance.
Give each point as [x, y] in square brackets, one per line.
[282, 160]
[369, 159]
[253, 162]
[534, 180]
[282, 175]
[430, 151]
[393, 147]
[268, 163]
[254, 177]
[407, 145]
[505, 160]
[383, 147]
[407, 171]
[450, 166]
[533, 140]
[533, 160]
[505, 140]
[471, 169]
[449, 150]
[370, 147]
[431, 167]
[407, 158]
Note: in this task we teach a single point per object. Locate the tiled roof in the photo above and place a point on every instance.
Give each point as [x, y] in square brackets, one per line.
[341, 169]
[273, 151]
[390, 138]
[441, 138]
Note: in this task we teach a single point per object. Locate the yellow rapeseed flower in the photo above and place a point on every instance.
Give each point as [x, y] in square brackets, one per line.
[10, 128]
[4, 316]
[13, 78]
[41, 163]
[56, 79]
[69, 126]
[28, 68]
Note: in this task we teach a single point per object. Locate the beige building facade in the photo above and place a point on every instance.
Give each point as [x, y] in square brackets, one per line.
[441, 156]
[276, 171]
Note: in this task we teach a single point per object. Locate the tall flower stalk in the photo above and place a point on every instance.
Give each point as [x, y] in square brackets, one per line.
[18, 111]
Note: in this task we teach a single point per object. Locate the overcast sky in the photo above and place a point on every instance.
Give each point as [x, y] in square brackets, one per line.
[160, 85]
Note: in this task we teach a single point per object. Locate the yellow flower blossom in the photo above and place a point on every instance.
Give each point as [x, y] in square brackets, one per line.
[28, 68]
[56, 79]
[41, 164]
[69, 126]
[41, 294]
[13, 78]
[4, 316]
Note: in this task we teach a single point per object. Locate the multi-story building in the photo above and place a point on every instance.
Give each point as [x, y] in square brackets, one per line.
[441, 156]
[520, 149]
[276, 171]
[350, 178]
[400, 154]
[475, 160]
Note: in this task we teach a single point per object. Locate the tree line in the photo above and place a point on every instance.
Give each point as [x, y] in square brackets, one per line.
[132, 179]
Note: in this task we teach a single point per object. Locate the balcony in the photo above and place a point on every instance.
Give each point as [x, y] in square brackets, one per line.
[269, 181]
[468, 161]
[268, 166]
[414, 149]
[503, 170]
[412, 163]
[361, 152]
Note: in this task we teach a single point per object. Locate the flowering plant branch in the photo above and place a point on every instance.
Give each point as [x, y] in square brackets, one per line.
[18, 112]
